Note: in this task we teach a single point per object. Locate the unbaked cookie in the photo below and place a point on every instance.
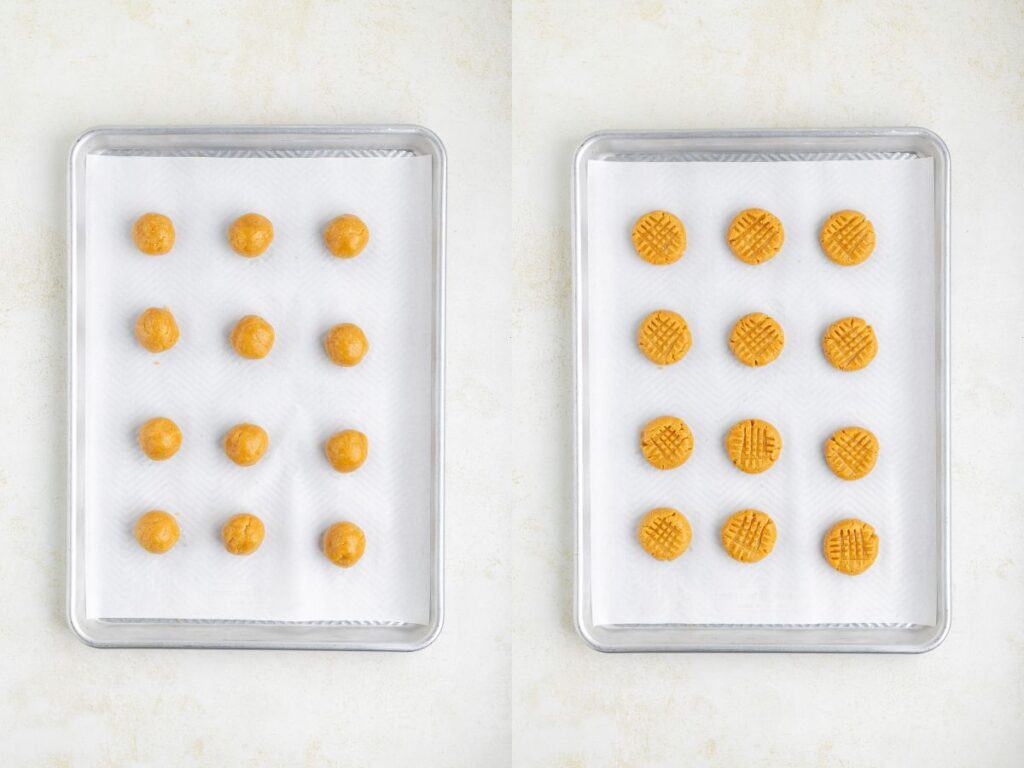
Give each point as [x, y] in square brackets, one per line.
[666, 442]
[245, 444]
[346, 236]
[665, 533]
[156, 329]
[250, 234]
[847, 238]
[153, 233]
[346, 344]
[850, 344]
[851, 546]
[664, 337]
[242, 534]
[851, 452]
[749, 535]
[753, 445]
[346, 450]
[156, 531]
[344, 543]
[756, 339]
[252, 337]
[755, 235]
[159, 438]
[659, 237]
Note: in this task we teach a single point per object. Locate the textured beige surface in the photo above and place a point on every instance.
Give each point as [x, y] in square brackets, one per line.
[512, 92]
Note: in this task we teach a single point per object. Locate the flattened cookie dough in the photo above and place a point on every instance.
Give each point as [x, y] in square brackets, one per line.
[753, 445]
[850, 344]
[159, 438]
[756, 339]
[664, 337]
[156, 531]
[851, 546]
[153, 233]
[665, 533]
[847, 237]
[346, 450]
[250, 234]
[666, 442]
[346, 236]
[344, 543]
[245, 444]
[156, 330]
[749, 536]
[242, 534]
[659, 237]
[755, 235]
[346, 344]
[252, 337]
[851, 452]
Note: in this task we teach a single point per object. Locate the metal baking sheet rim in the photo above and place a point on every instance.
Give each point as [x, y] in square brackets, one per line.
[755, 638]
[353, 636]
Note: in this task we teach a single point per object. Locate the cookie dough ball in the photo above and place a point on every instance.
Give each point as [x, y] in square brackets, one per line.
[664, 337]
[756, 339]
[749, 536]
[665, 533]
[346, 450]
[659, 238]
[250, 234]
[753, 445]
[344, 543]
[851, 546]
[850, 344]
[159, 438]
[252, 337]
[755, 235]
[153, 233]
[848, 238]
[242, 534]
[346, 344]
[851, 453]
[245, 444]
[666, 442]
[156, 329]
[157, 532]
[346, 236]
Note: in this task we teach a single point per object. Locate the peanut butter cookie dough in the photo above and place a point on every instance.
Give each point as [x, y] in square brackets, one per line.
[159, 438]
[850, 344]
[346, 450]
[252, 337]
[156, 329]
[346, 344]
[753, 445]
[848, 238]
[755, 236]
[156, 531]
[664, 337]
[851, 546]
[346, 236]
[242, 534]
[665, 533]
[250, 234]
[851, 452]
[749, 536]
[756, 339]
[344, 543]
[659, 238]
[153, 234]
[666, 442]
[245, 444]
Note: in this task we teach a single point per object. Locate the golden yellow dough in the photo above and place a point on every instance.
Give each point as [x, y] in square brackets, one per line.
[756, 339]
[346, 236]
[659, 237]
[250, 234]
[749, 536]
[847, 237]
[753, 445]
[346, 450]
[666, 442]
[245, 444]
[665, 533]
[242, 534]
[851, 452]
[755, 235]
[344, 543]
[851, 546]
[156, 532]
[252, 337]
[346, 344]
[159, 438]
[156, 329]
[850, 344]
[664, 337]
[153, 233]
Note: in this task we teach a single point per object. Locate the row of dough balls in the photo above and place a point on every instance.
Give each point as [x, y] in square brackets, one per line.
[755, 236]
[251, 234]
[754, 445]
[157, 531]
[245, 444]
[850, 546]
[252, 337]
[756, 339]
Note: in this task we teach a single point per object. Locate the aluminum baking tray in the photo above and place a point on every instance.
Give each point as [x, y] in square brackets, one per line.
[246, 141]
[778, 146]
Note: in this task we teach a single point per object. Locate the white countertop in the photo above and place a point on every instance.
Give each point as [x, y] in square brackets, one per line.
[512, 91]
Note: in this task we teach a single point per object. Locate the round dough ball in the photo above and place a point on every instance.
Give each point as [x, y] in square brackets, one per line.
[245, 444]
[159, 438]
[242, 534]
[250, 234]
[344, 543]
[346, 450]
[346, 344]
[346, 236]
[665, 533]
[252, 337]
[156, 329]
[153, 233]
[157, 531]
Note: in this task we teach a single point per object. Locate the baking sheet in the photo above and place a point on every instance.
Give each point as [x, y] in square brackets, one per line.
[296, 394]
[800, 393]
